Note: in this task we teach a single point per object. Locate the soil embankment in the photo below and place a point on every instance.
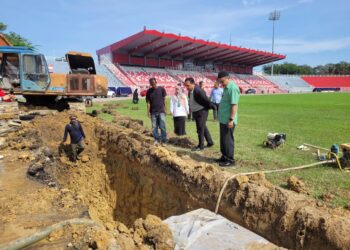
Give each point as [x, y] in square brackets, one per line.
[122, 176]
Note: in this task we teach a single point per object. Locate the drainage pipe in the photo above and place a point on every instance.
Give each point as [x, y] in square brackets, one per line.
[42, 234]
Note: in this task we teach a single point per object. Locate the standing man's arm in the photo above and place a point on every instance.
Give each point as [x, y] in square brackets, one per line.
[232, 115]
[164, 100]
[65, 134]
[148, 104]
[148, 109]
[81, 130]
[205, 100]
[234, 102]
[212, 95]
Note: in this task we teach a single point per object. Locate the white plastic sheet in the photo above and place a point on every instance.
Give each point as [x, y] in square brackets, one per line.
[202, 229]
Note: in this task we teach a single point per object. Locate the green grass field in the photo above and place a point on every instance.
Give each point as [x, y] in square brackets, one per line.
[320, 119]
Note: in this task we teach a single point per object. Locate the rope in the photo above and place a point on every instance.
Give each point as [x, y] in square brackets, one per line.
[265, 172]
[313, 146]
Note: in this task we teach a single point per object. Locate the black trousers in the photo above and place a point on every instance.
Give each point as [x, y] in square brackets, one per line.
[179, 125]
[201, 117]
[227, 141]
[215, 110]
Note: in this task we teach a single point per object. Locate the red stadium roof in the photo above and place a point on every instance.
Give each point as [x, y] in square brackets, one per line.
[152, 43]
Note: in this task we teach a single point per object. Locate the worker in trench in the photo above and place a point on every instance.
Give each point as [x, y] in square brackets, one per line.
[77, 137]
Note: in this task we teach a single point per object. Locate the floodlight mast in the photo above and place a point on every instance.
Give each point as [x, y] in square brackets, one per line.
[274, 16]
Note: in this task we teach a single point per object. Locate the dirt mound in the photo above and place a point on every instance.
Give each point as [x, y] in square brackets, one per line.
[296, 185]
[135, 124]
[151, 231]
[327, 196]
[182, 142]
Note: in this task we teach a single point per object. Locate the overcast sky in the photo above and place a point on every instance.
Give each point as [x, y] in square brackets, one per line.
[309, 32]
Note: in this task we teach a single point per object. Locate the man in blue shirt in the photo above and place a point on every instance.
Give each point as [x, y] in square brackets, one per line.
[215, 97]
[77, 137]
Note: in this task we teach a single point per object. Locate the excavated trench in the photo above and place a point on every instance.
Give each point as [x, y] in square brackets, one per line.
[157, 181]
[128, 178]
[142, 190]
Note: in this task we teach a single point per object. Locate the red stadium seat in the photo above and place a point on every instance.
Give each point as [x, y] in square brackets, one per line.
[170, 78]
[328, 81]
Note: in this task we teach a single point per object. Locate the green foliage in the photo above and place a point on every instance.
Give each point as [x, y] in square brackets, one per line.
[3, 27]
[16, 39]
[341, 68]
[320, 119]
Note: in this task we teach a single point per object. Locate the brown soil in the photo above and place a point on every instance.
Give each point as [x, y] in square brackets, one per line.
[296, 185]
[39, 186]
[125, 177]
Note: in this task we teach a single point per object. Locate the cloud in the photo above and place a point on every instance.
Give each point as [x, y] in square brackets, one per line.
[300, 46]
[286, 4]
[208, 25]
[305, 1]
[250, 2]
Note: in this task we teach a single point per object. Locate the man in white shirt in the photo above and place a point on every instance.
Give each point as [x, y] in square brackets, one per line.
[179, 109]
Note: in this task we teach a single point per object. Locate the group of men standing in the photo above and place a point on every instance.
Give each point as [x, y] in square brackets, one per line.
[223, 102]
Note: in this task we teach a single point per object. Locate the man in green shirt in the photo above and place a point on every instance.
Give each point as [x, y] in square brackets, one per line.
[228, 117]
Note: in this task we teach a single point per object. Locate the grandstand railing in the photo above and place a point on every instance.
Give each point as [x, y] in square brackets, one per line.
[111, 77]
[117, 71]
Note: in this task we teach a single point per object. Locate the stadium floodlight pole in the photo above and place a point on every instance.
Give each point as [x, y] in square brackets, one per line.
[274, 16]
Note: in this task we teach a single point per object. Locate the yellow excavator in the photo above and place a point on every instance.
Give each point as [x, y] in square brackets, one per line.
[25, 72]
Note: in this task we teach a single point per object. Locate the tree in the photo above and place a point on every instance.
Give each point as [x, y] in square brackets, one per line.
[341, 68]
[16, 39]
[3, 27]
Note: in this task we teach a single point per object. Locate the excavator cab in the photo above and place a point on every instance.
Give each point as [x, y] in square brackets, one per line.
[22, 70]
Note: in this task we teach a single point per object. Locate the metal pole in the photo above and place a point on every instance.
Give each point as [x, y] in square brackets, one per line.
[273, 34]
[274, 16]
[273, 41]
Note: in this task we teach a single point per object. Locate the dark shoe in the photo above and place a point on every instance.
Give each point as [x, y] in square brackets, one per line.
[221, 159]
[209, 145]
[227, 164]
[197, 149]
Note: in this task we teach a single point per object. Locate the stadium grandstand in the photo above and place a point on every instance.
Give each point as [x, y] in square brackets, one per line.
[291, 84]
[171, 58]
